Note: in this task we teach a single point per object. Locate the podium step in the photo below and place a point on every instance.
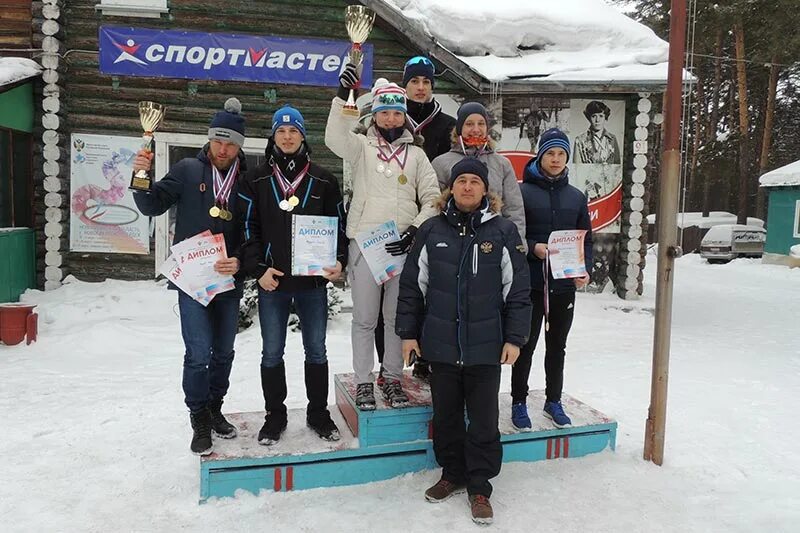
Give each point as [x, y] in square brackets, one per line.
[381, 444]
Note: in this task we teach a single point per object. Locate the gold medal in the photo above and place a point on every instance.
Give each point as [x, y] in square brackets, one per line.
[214, 211]
[293, 200]
[402, 179]
[224, 214]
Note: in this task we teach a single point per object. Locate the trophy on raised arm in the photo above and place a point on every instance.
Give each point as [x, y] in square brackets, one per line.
[150, 114]
[359, 21]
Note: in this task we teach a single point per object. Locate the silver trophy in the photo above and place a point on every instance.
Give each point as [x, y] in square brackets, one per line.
[151, 115]
[358, 20]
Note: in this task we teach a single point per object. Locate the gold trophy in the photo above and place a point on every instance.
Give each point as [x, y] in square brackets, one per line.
[358, 20]
[150, 114]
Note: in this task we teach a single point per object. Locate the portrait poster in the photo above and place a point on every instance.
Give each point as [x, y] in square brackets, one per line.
[103, 215]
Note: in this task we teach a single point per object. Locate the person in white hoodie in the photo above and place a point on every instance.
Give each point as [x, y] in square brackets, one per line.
[392, 180]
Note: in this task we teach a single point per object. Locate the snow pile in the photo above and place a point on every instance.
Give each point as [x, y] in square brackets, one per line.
[96, 437]
[714, 218]
[14, 69]
[794, 251]
[569, 40]
[788, 176]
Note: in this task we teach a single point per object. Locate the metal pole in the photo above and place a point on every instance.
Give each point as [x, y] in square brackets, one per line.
[668, 248]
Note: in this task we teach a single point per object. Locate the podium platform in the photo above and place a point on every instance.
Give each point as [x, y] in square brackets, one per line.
[380, 444]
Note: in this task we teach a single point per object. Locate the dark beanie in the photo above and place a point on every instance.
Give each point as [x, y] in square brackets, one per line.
[470, 165]
[418, 66]
[228, 124]
[552, 138]
[470, 108]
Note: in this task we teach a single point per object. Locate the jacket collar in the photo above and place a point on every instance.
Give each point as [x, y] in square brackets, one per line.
[480, 216]
[373, 137]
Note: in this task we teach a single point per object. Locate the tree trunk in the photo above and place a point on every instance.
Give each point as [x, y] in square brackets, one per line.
[713, 122]
[744, 123]
[766, 142]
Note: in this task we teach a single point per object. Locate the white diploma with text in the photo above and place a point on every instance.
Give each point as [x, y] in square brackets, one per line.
[565, 253]
[191, 267]
[383, 265]
[314, 239]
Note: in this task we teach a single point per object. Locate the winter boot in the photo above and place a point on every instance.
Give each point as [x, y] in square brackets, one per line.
[318, 417]
[219, 424]
[365, 397]
[482, 513]
[422, 370]
[394, 394]
[273, 384]
[201, 426]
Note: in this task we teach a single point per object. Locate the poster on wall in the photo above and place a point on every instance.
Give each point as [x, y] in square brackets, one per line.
[103, 216]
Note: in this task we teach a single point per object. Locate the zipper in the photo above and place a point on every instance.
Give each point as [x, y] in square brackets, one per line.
[475, 260]
[464, 254]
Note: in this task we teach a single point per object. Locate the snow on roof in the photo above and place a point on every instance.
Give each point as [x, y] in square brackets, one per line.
[575, 40]
[787, 176]
[714, 218]
[14, 69]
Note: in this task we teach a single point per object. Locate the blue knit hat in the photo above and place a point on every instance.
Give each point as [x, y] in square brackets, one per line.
[418, 66]
[228, 124]
[467, 109]
[553, 138]
[470, 165]
[288, 116]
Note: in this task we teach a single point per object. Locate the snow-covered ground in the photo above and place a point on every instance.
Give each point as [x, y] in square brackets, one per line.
[96, 437]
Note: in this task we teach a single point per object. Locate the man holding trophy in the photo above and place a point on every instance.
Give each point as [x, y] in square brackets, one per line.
[283, 201]
[202, 189]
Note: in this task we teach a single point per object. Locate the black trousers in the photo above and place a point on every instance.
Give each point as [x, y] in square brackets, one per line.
[562, 310]
[379, 331]
[469, 454]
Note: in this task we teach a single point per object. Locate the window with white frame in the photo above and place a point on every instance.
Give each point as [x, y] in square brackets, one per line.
[171, 148]
[797, 220]
[133, 8]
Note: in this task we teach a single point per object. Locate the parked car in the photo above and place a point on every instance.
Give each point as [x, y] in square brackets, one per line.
[729, 241]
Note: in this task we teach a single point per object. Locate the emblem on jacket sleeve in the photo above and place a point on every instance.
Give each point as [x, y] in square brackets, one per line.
[487, 247]
[521, 248]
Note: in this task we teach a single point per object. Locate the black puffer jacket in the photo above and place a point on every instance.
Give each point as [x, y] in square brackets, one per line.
[268, 229]
[436, 132]
[189, 186]
[464, 290]
[552, 205]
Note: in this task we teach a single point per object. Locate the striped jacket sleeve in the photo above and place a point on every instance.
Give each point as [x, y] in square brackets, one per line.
[251, 252]
[413, 288]
[516, 290]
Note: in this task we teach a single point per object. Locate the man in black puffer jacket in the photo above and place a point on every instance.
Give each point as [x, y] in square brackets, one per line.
[464, 306]
[551, 204]
[289, 184]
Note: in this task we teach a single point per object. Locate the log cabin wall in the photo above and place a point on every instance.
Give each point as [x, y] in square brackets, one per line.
[91, 102]
[16, 31]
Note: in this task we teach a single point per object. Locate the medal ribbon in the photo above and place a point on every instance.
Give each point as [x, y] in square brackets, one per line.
[392, 154]
[419, 127]
[222, 188]
[288, 188]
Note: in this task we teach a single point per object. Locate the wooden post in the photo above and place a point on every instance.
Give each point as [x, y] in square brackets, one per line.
[668, 249]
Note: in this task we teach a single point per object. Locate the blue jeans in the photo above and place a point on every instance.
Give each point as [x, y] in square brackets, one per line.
[208, 334]
[311, 306]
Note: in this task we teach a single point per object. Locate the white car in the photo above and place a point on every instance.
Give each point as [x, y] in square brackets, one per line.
[729, 241]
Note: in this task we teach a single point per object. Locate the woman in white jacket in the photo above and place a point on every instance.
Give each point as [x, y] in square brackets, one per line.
[392, 180]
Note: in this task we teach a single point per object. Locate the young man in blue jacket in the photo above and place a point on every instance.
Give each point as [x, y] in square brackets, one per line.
[551, 204]
[464, 306]
[203, 189]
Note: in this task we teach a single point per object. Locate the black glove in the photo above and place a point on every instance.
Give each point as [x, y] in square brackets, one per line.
[349, 76]
[404, 244]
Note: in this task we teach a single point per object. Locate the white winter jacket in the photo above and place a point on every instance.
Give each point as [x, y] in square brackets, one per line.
[376, 197]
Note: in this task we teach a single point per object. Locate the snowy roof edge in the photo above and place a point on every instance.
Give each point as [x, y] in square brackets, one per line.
[481, 84]
[785, 176]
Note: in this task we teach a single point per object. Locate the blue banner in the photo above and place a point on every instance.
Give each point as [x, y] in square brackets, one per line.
[217, 56]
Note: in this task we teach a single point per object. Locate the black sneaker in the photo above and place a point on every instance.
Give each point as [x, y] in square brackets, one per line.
[272, 429]
[324, 426]
[365, 397]
[219, 424]
[394, 394]
[201, 438]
